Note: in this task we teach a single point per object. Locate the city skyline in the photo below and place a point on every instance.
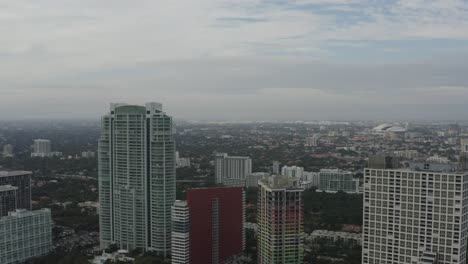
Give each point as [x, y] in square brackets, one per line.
[305, 59]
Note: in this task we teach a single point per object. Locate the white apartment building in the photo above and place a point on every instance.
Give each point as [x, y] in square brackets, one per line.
[334, 180]
[180, 253]
[8, 150]
[311, 141]
[415, 217]
[406, 154]
[232, 170]
[25, 235]
[292, 171]
[136, 157]
[41, 148]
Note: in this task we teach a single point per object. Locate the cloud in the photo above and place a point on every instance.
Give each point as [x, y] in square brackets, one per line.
[217, 54]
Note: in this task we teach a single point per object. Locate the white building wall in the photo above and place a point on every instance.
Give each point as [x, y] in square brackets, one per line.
[408, 213]
[25, 235]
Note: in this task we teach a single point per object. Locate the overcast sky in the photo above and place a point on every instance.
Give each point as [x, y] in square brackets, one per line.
[236, 59]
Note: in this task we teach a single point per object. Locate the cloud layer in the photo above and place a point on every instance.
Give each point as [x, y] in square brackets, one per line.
[245, 59]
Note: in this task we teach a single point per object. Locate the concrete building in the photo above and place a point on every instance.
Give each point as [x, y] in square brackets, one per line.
[41, 148]
[182, 162]
[252, 179]
[232, 170]
[7, 199]
[311, 141]
[383, 161]
[180, 243]
[415, 216]
[8, 150]
[21, 180]
[208, 227]
[334, 180]
[136, 178]
[25, 235]
[406, 154]
[335, 236]
[276, 168]
[312, 177]
[280, 221]
[88, 154]
[292, 171]
[438, 159]
[463, 164]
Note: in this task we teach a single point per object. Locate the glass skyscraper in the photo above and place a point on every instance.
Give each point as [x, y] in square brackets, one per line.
[136, 178]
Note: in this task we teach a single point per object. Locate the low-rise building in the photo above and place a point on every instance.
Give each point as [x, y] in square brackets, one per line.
[335, 236]
[334, 180]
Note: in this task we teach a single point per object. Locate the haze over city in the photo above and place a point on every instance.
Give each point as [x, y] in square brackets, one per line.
[236, 60]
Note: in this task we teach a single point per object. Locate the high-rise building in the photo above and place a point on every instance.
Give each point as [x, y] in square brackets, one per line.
[276, 168]
[415, 216]
[25, 235]
[41, 148]
[180, 243]
[232, 170]
[208, 227]
[292, 171]
[280, 214]
[334, 180]
[8, 150]
[21, 180]
[464, 154]
[311, 141]
[7, 199]
[136, 178]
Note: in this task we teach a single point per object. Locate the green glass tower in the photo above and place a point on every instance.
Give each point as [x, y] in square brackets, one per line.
[136, 178]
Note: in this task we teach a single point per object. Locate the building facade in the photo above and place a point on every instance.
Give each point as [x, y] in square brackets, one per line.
[136, 156]
[406, 154]
[252, 179]
[336, 180]
[311, 141]
[275, 168]
[42, 148]
[25, 235]
[232, 170]
[414, 217]
[208, 227]
[292, 171]
[21, 180]
[7, 199]
[8, 150]
[464, 154]
[280, 221]
[311, 177]
[180, 243]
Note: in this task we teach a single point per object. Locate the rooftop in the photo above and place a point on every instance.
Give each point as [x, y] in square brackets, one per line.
[7, 188]
[5, 173]
[281, 182]
[24, 213]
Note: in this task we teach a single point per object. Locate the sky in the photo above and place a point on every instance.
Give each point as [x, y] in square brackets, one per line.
[236, 60]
